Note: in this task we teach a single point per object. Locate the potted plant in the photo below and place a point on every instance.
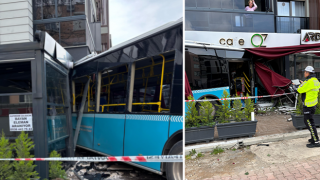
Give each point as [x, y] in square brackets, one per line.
[199, 127]
[297, 116]
[242, 125]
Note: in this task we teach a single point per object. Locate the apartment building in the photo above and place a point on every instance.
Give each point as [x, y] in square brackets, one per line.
[80, 26]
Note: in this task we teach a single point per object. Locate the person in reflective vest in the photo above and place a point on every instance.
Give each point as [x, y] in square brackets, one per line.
[309, 94]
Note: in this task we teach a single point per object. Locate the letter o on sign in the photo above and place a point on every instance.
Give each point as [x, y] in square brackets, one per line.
[261, 40]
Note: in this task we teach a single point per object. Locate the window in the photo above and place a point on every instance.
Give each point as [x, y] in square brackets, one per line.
[48, 9]
[196, 59]
[15, 77]
[51, 28]
[73, 33]
[302, 61]
[78, 92]
[147, 83]
[63, 8]
[292, 8]
[113, 91]
[196, 66]
[263, 5]
[77, 7]
[57, 106]
[297, 8]
[15, 94]
[68, 33]
[197, 73]
[229, 22]
[283, 9]
[214, 73]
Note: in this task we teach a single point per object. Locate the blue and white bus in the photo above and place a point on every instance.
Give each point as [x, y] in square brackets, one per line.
[134, 99]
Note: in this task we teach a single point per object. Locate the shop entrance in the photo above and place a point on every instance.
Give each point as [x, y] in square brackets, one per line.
[240, 77]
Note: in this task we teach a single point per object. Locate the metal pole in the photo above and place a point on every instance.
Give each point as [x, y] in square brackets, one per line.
[163, 63]
[83, 101]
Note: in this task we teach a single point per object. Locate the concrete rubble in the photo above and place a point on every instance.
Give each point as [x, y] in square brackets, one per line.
[107, 171]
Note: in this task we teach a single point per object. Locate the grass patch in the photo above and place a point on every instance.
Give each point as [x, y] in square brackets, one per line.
[192, 152]
[246, 173]
[200, 155]
[217, 150]
[188, 157]
[261, 112]
[268, 155]
[234, 149]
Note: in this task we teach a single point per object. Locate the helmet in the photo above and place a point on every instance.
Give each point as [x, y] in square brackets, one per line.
[309, 69]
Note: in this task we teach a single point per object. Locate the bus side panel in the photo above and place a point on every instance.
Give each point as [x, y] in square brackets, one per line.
[214, 91]
[203, 92]
[86, 130]
[176, 123]
[146, 135]
[109, 133]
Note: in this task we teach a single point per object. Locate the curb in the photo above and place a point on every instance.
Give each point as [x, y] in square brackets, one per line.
[249, 141]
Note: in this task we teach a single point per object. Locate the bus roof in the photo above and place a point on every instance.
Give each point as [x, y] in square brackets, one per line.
[134, 40]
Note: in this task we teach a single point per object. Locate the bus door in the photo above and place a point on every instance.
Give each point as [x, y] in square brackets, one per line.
[240, 77]
[110, 117]
[85, 137]
[147, 123]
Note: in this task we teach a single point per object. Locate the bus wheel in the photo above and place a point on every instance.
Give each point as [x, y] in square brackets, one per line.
[174, 170]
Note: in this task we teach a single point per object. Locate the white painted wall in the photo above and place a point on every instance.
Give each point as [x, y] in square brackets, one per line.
[16, 21]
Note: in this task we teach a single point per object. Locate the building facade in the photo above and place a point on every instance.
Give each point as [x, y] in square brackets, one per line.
[80, 26]
[226, 24]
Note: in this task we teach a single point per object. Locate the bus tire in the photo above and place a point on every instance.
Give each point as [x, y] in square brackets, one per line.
[174, 170]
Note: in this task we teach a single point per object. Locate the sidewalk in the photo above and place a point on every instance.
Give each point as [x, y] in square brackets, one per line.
[270, 128]
[288, 159]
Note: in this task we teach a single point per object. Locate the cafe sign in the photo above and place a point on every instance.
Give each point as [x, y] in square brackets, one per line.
[244, 39]
[256, 40]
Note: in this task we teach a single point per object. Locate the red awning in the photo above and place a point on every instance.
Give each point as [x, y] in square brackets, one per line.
[271, 80]
[187, 88]
[276, 52]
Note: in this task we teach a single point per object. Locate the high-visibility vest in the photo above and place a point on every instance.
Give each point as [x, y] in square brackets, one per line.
[311, 88]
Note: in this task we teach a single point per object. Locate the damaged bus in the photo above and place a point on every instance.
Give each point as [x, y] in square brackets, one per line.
[128, 100]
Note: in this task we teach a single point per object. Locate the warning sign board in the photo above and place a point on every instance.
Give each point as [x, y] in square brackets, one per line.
[20, 122]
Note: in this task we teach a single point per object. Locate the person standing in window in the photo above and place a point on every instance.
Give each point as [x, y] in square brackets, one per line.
[252, 6]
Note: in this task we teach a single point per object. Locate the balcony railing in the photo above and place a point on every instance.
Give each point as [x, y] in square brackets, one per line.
[229, 21]
[287, 24]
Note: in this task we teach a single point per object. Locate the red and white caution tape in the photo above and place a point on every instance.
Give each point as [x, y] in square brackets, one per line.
[250, 97]
[166, 158]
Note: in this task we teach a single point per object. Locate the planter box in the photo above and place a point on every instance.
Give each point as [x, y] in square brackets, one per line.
[316, 118]
[199, 134]
[298, 122]
[237, 129]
